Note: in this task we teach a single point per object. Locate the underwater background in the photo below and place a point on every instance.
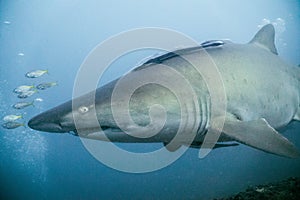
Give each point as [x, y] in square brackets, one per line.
[57, 35]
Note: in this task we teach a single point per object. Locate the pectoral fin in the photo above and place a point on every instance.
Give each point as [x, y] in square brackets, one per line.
[172, 146]
[259, 134]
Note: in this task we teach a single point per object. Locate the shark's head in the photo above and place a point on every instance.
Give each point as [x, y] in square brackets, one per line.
[92, 113]
[68, 118]
[83, 115]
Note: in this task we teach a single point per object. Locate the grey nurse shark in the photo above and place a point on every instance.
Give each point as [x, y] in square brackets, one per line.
[262, 94]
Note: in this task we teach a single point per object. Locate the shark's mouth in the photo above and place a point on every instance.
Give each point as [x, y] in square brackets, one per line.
[51, 126]
[86, 131]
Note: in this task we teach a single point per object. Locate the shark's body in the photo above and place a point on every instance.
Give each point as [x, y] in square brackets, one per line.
[262, 95]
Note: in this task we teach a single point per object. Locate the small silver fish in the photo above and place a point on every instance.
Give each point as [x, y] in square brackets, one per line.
[36, 73]
[10, 118]
[39, 99]
[23, 88]
[44, 86]
[26, 94]
[21, 105]
[12, 125]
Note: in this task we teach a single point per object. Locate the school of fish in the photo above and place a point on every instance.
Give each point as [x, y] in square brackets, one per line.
[11, 121]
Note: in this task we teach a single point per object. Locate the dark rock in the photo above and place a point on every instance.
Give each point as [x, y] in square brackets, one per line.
[287, 189]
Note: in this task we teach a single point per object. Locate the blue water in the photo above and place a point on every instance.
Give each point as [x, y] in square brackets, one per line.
[58, 35]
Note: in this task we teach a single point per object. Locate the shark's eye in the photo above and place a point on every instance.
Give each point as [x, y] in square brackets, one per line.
[83, 109]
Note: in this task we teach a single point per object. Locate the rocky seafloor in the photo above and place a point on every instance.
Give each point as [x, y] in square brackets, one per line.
[286, 189]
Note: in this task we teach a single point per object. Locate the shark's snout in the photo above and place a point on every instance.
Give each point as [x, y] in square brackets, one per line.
[50, 125]
[53, 120]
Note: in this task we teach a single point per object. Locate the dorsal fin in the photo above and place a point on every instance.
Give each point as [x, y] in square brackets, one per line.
[265, 38]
